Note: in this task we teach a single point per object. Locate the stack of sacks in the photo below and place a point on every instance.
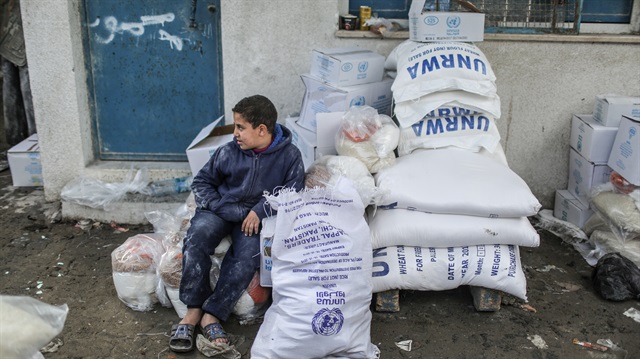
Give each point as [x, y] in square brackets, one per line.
[452, 217]
[454, 213]
[615, 223]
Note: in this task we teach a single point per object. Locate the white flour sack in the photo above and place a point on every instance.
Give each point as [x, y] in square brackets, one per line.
[410, 112]
[493, 266]
[427, 67]
[455, 181]
[468, 131]
[394, 227]
[321, 274]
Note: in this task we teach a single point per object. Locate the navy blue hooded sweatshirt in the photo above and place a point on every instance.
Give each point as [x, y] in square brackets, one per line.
[233, 181]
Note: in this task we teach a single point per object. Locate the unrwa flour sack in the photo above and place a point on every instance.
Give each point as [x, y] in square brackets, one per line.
[493, 266]
[393, 227]
[427, 67]
[321, 276]
[468, 131]
[409, 112]
[455, 181]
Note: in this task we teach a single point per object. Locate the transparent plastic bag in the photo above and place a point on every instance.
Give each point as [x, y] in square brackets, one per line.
[382, 26]
[134, 265]
[174, 225]
[368, 136]
[326, 171]
[30, 324]
[619, 212]
[254, 301]
[95, 193]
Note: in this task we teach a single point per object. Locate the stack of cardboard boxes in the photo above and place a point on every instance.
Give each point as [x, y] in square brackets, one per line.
[600, 143]
[338, 79]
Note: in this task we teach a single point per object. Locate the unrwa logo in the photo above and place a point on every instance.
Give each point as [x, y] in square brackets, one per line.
[346, 67]
[363, 66]
[453, 21]
[632, 132]
[431, 20]
[327, 321]
[357, 101]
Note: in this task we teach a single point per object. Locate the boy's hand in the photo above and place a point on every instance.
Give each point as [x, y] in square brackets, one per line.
[250, 224]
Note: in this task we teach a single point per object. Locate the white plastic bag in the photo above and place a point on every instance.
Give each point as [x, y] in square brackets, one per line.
[326, 172]
[27, 324]
[368, 136]
[619, 212]
[321, 277]
[134, 265]
[95, 193]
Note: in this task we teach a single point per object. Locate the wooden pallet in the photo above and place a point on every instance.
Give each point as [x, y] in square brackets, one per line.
[484, 300]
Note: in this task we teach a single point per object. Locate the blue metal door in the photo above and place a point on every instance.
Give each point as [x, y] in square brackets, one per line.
[156, 75]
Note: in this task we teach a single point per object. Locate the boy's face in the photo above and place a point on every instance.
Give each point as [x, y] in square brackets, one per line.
[247, 137]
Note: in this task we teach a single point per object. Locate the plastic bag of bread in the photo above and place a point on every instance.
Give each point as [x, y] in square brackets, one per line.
[170, 273]
[173, 226]
[326, 171]
[254, 301]
[134, 265]
[369, 137]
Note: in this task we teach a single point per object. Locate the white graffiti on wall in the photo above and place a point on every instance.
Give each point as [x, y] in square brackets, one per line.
[173, 40]
[113, 27]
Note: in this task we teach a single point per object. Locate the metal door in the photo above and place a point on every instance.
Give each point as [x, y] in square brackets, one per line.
[156, 75]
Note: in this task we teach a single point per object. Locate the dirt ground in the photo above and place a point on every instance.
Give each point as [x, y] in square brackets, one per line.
[61, 263]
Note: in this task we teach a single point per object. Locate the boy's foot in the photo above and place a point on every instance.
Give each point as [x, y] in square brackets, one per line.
[212, 329]
[215, 333]
[182, 338]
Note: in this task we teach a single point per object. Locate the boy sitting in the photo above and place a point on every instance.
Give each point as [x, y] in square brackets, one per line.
[229, 195]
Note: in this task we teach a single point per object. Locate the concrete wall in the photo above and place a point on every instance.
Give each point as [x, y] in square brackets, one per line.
[267, 46]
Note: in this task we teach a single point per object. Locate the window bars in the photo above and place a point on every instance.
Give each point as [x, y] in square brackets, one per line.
[526, 16]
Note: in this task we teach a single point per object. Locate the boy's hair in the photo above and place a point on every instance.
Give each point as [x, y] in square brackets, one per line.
[257, 110]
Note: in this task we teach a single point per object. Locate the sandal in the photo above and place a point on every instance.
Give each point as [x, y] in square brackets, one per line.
[182, 338]
[214, 331]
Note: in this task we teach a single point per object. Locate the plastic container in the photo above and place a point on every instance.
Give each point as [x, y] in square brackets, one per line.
[169, 186]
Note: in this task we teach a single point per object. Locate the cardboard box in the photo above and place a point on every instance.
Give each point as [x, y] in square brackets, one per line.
[347, 66]
[584, 175]
[206, 142]
[313, 145]
[430, 26]
[609, 109]
[625, 154]
[321, 97]
[568, 208]
[24, 161]
[304, 139]
[591, 139]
